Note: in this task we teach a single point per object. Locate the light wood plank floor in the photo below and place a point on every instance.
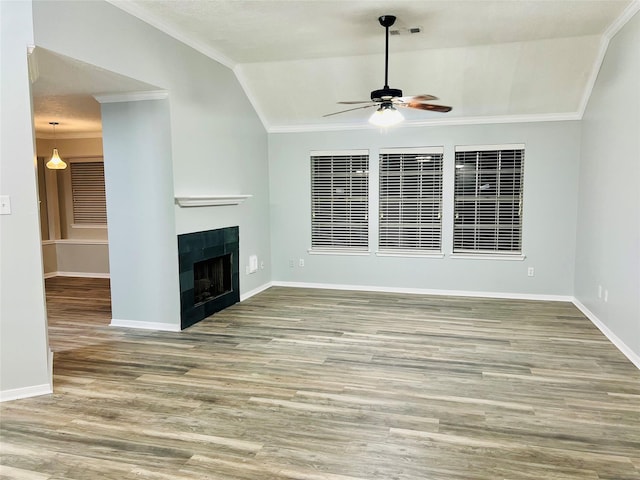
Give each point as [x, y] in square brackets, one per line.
[329, 385]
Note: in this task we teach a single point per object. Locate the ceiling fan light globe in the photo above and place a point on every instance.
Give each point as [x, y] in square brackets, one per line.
[386, 117]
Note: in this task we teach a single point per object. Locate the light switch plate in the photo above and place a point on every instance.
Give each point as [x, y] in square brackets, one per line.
[253, 264]
[5, 205]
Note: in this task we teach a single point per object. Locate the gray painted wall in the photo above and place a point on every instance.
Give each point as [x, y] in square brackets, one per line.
[76, 258]
[550, 202]
[143, 246]
[608, 234]
[24, 366]
[218, 145]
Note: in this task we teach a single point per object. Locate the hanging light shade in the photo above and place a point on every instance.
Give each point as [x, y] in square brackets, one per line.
[386, 116]
[56, 163]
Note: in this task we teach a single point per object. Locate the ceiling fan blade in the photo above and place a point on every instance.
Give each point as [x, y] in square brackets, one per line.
[356, 102]
[418, 98]
[349, 110]
[426, 106]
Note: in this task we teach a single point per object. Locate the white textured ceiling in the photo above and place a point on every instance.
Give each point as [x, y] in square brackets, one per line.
[63, 90]
[488, 59]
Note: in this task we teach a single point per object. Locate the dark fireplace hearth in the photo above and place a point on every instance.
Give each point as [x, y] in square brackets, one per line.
[209, 273]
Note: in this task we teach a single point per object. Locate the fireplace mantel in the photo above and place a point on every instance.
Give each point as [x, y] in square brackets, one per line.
[210, 200]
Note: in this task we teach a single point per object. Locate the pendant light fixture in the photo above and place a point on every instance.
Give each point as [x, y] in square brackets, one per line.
[56, 163]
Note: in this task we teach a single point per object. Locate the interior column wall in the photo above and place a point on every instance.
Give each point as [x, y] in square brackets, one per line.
[24, 353]
[143, 246]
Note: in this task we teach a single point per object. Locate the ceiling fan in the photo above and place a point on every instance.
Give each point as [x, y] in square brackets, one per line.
[387, 99]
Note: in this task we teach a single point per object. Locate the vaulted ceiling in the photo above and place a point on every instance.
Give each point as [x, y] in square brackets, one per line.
[491, 60]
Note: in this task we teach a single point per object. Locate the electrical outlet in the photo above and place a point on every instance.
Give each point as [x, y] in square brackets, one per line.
[291, 263]
[530, 272]
[599, 291]
[606, 296]
[262, 265]
[301, 262]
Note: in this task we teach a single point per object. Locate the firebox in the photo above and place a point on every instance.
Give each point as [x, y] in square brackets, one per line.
[211, 278]
[209, 273]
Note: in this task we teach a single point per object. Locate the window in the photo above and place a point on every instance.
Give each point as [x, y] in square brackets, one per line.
[410, 200]
[488, 199]
[339, 201]
[88, 193]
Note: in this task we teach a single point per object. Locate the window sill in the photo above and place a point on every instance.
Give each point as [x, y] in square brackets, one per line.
[89, 225]
[76, 241]
[408, 254]
[339, 252]
[488, 256]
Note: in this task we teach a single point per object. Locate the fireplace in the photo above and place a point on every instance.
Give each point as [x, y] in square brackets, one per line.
[209, 273]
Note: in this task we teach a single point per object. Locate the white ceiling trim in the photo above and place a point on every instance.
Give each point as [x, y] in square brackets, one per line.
[614, 28]
[154, 21]
[131, 96]
[543, 117]
[70, 135]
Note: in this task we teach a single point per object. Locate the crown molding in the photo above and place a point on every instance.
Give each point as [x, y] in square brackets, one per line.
[140, 13]
[69, 135]
[132, 96]
[497, 119]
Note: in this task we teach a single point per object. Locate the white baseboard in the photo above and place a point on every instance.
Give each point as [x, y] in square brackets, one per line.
[426, 291]
[25, 392]
[77, 274]
[612, 337]
[255, 291]
[165, 327]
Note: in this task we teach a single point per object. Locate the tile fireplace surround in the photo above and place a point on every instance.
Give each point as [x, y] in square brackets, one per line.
[197, 247]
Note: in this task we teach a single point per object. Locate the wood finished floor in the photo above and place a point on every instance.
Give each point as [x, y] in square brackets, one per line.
[329, 385]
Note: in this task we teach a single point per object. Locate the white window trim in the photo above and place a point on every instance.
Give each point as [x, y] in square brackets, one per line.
[355, 253]
[89, 225]
[489, 148]
[518, 257]
[409, 254]
[337, 153]
[426, 150]
[330, 250]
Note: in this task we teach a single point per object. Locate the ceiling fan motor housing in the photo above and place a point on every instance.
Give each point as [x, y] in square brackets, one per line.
[385, 94]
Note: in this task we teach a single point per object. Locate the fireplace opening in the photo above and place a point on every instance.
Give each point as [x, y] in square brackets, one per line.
[211, 278]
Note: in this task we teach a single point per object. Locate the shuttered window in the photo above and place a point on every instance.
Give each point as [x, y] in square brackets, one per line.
[410, 200]
[88, 193]
[340, 201]
[488, 199]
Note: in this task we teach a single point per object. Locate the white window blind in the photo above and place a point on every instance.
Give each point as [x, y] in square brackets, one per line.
[410, 200]
[340, 201]
[88, 193]
[488, 199]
